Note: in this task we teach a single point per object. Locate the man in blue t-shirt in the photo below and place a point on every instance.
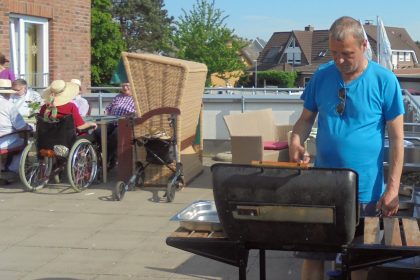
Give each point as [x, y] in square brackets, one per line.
[353, 99]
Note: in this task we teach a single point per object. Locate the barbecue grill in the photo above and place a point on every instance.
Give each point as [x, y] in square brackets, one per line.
[290, 207]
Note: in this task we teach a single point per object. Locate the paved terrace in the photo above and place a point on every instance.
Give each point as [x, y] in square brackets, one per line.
[56, 233]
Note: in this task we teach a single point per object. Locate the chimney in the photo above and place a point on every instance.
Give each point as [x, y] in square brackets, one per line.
[309, 28]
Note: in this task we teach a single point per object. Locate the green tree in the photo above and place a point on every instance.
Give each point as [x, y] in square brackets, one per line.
[106, 42]
[201, 35]
[145, 24]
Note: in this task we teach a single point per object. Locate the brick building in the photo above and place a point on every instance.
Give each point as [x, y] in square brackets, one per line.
[46, 40]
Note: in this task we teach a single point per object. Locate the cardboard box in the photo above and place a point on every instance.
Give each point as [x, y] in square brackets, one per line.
[250, 130]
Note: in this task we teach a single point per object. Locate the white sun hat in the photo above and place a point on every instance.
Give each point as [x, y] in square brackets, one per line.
[6, 86]
[77, 82]
[63, 92]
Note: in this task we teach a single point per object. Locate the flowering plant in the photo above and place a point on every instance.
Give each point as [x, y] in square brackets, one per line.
[34, 107]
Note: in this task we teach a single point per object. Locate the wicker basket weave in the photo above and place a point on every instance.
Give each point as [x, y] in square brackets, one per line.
[158, 81]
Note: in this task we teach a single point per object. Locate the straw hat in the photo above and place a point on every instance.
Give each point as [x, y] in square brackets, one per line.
[6, 86]
[77, 82]
[61, 91]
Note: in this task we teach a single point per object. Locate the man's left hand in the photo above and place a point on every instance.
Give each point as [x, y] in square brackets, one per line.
[388, 203]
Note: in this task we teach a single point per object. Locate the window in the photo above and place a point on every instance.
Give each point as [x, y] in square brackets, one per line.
[293, 53]
[306, 81]
[322, 53]
[292, 44]
[400, 56]
[394, 59]
[294, 57]
[29, 48]
[407, 56]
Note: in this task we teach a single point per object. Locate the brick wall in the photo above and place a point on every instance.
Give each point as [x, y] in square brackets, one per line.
[69, 34]
[4, 30]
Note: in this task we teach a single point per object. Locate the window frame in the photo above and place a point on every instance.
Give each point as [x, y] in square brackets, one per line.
[17, 44]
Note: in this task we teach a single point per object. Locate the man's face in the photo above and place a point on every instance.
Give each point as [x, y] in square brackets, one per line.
[20, 89]
[348, 54]
[125, 88]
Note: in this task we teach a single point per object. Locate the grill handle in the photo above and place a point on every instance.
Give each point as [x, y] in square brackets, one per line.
[294, 165]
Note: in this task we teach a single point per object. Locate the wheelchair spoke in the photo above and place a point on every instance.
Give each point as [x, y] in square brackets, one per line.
[37, 174]
[34, 172]
[82, 166]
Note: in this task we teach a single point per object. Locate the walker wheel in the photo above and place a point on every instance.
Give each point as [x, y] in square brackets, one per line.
[140, 178]
[170, 191]
[131, 186]
[119, 190]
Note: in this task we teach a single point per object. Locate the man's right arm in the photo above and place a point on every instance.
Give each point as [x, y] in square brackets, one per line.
[300, 133]
[110, 106]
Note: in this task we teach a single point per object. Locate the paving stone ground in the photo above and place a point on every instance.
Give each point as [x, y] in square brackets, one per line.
[56, 233]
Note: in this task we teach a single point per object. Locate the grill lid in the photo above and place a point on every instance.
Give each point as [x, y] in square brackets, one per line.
[276, 207]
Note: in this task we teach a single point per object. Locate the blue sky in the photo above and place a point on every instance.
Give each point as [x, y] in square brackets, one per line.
[260, 18]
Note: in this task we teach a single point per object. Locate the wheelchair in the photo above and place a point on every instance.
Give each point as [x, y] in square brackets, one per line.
[56, 148]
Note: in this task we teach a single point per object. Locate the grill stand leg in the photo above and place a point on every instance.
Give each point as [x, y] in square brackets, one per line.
[243, 262]
[346, 273]
[262, 264]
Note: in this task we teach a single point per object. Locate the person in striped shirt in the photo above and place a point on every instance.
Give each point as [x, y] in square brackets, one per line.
[121, 105]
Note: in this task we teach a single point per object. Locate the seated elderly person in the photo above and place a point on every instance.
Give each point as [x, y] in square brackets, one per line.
[10, 121]
[121, 105]
[58, 103]
[27, 101]
[80, 101]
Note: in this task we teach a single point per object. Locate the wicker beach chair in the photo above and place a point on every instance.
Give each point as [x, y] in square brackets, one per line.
[158, 82]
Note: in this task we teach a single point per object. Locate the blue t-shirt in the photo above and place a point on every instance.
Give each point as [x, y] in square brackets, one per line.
[354, 139]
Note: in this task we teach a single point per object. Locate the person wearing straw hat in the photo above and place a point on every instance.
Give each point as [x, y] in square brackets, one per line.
[58, 103]
[10, 122]
[80, 102]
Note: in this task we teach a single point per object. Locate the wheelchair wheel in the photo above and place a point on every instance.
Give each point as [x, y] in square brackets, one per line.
[34, 171]
[119, 190]
[82, 165]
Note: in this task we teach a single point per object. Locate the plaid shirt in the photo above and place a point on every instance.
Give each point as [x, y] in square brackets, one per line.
[121, 105]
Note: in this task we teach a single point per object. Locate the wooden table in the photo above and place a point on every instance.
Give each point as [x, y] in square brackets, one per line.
[102, 122]
[384, 240]
[398, 239]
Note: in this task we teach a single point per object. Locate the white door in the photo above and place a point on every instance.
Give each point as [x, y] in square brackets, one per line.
[29, 49]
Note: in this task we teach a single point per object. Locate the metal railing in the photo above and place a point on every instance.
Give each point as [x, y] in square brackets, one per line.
[221, 90]
[253, 91]
[36, 80]
[101, 95]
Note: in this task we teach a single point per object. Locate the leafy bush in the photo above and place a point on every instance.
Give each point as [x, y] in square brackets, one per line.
[272, 78]
[278, 78]
[245, 80]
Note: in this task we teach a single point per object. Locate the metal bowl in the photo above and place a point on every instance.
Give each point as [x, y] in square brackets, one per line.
[200, 215]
